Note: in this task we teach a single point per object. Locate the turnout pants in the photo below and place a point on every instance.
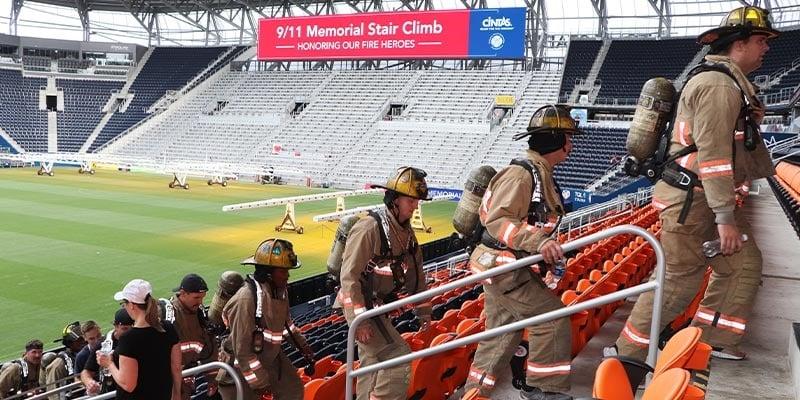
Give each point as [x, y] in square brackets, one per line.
[284, 383]
[512, 297]
[731, 291]
[386, 384]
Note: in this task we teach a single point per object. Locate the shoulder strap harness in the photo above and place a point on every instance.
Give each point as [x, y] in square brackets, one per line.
[683, 178]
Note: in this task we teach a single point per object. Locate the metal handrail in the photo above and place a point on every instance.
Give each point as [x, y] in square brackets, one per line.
[191, 372]
[44, 395]
[656, 285]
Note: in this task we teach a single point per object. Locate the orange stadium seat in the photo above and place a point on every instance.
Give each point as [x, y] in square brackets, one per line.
[610, 381]
[672, 385]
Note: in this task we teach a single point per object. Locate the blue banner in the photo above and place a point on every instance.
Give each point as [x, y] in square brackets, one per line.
[772, 138]
[578, 198]
[497, 33]
[437, 192]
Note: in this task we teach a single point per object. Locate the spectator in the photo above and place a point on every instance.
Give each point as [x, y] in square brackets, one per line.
[149, 354]
[93, 336]
[22, 375]
[63, 365]
[91, 372]
[185, 311]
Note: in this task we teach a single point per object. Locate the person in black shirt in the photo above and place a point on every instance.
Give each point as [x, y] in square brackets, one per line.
[149, 354]
[93, 336]
[90, 375]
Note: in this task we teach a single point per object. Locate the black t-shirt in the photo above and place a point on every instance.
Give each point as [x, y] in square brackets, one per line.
[152, 350]
[107, 383]
[82, 357]
[91, 363]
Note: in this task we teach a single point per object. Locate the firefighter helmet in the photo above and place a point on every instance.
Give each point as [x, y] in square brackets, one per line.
[739, 24]
[407, 181]
[275, 253]
[70, 334]
[548, 128]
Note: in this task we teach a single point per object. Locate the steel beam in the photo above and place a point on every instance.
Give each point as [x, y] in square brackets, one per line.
[664, 16]
[16, 8]
[602, 13]
[83, 14]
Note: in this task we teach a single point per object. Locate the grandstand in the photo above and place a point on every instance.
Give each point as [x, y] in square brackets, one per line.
[20, 116]
[83, 109]
[346, 124]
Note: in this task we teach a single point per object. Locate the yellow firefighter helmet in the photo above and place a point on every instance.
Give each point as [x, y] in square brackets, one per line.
[275, 253]
[548, 128]
[407, 181]
[740, 23]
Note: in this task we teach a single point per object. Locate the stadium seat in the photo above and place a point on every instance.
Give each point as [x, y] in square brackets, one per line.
[611, 381]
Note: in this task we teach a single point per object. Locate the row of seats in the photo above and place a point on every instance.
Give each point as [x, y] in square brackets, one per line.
[593, 153]
[83, 109]
[168, 68]
[459, 313]
[339, 134]
[542, 88]
[786, 184]
[629, 63]
[579, 61]
[20, 116]
[618, 378]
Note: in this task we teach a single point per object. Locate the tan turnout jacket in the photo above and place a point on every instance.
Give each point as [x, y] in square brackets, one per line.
[364, 243]
[504, 207]
[195, 342]
[708, 116]
[11, 378]
[240, 313]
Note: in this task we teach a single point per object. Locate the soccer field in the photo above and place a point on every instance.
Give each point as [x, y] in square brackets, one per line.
[69, 242]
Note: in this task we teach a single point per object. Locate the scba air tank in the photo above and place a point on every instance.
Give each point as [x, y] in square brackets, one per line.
[653, 112]
[337, 250]
[465, 218]
[229, 283]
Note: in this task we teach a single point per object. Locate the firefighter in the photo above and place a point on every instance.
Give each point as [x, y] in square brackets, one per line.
[185, 311]
[381, 258]
[64, 363]
[717, 148]
[22, 375]
[259, 321]
[519, 212]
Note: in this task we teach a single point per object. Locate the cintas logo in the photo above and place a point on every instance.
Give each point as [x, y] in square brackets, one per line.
[502, 22]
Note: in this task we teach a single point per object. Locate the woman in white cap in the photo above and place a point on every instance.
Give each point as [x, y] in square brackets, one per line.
[149, 354]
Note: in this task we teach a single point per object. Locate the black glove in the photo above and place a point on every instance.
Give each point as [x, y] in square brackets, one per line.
[310, 369]
[308, 354]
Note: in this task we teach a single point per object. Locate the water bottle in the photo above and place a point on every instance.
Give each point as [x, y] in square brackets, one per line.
[557, 272]
[712, 247]
[106, 348]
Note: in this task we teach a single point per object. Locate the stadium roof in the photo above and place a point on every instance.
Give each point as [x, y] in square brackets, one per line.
[206, 22]
[167, 6]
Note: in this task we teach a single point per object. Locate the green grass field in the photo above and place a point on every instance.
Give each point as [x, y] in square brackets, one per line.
[69, 242]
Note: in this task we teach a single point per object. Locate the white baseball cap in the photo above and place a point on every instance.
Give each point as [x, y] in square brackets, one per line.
[135, 291]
